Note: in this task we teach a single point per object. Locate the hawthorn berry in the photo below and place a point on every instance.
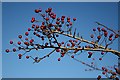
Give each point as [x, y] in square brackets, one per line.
[58, 59]
[62, 42]
[26, 43]
[70, 23]
[37, 11]
[7, 50]
[26, 38]
[103, 29]
[26, 33]
[102, 53]
[110, 35]
[103, 68]
[57, 22]
[94, 29]
[46, 11]
[27, 57]
[68, 44]
[58, 19]
[58, 29]
[20, 36]
[98, 29]
[116, 36]
[47, 19]
[33, 20]
[63, 16]
[19, 42]
[105, 34]
[57, 50]
[49, 9]
[99, 37]
[92, 36]
[19, 55]
[72, 56]
[14, 49]
[110, 39]
[11, 42]
[29, 29]
[74, 19]
[100, 58]
[99, 77]
[59, 44]
[103, 73]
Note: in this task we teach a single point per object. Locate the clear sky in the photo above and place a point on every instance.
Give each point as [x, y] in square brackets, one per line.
[16, 19]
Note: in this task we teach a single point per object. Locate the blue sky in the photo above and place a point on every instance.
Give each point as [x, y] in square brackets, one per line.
[16, 20]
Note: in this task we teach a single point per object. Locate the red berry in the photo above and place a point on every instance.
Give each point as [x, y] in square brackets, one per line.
[94, 29]
[11, 42]
[62, 42]
[46, 11]
[59, 29]
[73, 44]
[37, 10]
[26, 38]
[63, 16]
[103, 68]
[54, 16]
[57, 50]
[57, 22]
[19, 42]
[58, 19]
[99, 37]
[68, 18]
[110, 35]
[99, 77]
[26, 33]
[27, 57]
[33, 26]
[92, 36]
[68, 44]
[74, 19]
[90, 53]
[7, 50]
[110, 39]
[43, 23]
[49, 9]
[72, 56]
[70, 23]
[70, 40]
[102, 53]
[98, 29]
[31, 41]
[62, 54]
[59, 44]
[26, 43]
[116, 36]
[29, 29]
[103, 73]
[103, 29]
[14, 49]
[47, 19]
[58, 59]
[19, 55]
[37, 26]
[100, 58]
[20, 36]
[33, 19]
[105, 34]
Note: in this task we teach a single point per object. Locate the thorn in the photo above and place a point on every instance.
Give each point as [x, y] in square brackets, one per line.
[74, 33]
[78, 35]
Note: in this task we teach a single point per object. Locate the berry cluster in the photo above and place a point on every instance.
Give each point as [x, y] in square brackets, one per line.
[48, 32]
